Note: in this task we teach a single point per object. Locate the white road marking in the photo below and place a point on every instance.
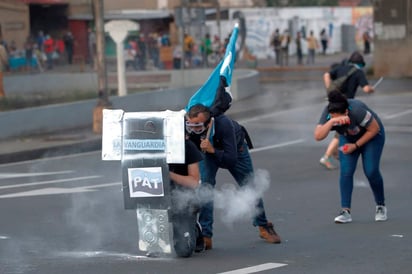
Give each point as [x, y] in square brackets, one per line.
[45, 191]
[254, 269]
[32, 174]
[396, 115]
[50, 182]
[278, 145]
[105, 185]
[398, 129]
[51, 158]
[2, 237]
[57, 190]
[273, 114]
[102, 254]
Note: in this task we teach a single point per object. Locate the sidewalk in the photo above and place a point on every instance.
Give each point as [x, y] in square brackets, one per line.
[83, 139]
[60, 143]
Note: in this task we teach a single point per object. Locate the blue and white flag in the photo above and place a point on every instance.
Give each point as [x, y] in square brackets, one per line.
[215, 92]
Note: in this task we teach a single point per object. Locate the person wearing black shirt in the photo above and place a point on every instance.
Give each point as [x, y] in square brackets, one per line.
[185, 179]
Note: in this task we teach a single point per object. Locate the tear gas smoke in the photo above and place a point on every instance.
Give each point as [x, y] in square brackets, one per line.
[94, 219]
[234, 203]
[240, 203]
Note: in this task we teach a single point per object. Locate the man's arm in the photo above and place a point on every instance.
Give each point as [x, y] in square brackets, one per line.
[192, 180]
[363, 82]
[226, 154]
[327, 79]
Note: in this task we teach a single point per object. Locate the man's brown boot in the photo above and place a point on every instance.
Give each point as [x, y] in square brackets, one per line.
[208, 243]
[268, 233]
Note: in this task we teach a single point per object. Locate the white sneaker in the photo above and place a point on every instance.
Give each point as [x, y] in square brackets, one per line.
[344, 217]
[327, 162]
[381, 214]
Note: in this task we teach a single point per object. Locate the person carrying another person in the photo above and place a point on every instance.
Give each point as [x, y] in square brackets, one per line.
[349, 87]
[361, 132]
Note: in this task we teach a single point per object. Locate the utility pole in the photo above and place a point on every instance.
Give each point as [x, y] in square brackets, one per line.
[103, 99]
[217, 6]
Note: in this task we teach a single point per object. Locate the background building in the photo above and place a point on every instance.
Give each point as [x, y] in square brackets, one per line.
[393, 38]
[388, 22]
[14, 21]
[56, 17]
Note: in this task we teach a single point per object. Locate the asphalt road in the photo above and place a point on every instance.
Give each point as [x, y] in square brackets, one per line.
[65, 215]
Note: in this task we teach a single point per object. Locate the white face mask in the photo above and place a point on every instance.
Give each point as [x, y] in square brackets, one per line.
[196, 128]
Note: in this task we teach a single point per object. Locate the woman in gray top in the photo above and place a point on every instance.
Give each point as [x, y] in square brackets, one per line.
[361, 132]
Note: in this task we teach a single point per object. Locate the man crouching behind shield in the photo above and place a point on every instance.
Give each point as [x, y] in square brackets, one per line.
[185, 178]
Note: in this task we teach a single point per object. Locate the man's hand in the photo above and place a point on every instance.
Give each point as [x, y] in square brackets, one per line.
[206, 146]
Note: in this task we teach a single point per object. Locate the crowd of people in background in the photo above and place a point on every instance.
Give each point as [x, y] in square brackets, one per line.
[40, 52]
[281, 42]
[44, 51]
[144, 51]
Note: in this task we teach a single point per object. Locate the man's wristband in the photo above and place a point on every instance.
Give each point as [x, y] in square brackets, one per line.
[357, 146]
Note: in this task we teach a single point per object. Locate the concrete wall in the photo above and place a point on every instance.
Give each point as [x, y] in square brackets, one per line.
[52, 118]
[393, 38]
[393, 58]
[261, 23]
[86, 82]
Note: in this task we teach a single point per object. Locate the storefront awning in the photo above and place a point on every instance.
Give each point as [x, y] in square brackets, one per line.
[127, 15]
[44, 2]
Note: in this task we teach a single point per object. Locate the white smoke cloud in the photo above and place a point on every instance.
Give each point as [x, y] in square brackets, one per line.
[94, 218]
[232, 202]
[239, 203]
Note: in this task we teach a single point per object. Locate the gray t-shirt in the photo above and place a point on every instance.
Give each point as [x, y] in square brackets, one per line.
[360, 118]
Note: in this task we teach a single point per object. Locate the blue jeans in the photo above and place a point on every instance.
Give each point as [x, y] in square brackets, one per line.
[311, 56]
[371, 155]
[242, 172]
